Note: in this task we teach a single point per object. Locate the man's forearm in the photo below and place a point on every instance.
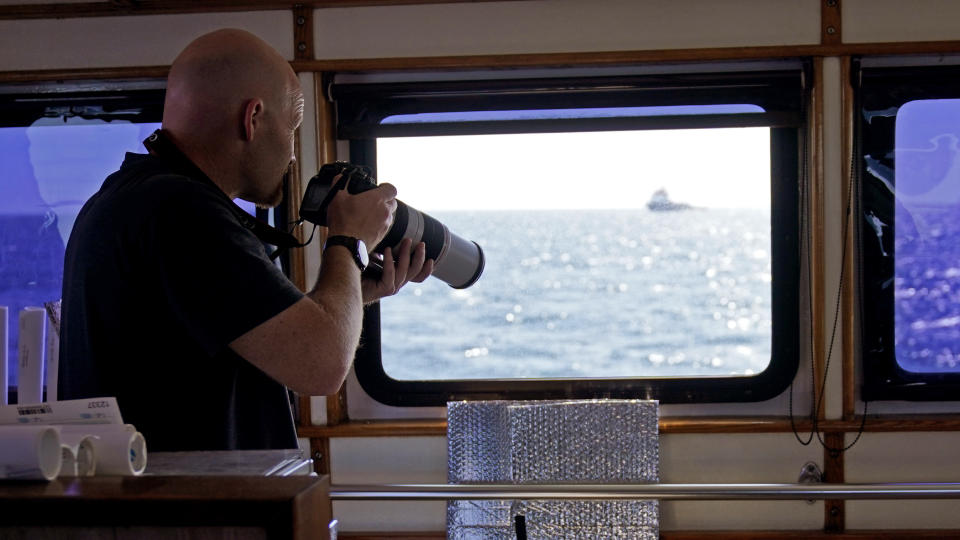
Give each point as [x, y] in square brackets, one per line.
[337, 293]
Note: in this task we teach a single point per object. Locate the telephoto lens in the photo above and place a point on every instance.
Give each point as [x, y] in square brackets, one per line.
[457, 261]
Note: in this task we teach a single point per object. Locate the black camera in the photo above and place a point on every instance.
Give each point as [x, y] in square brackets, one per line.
[457, 262]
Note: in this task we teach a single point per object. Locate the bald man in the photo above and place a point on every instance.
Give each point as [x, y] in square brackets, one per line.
[170, 302]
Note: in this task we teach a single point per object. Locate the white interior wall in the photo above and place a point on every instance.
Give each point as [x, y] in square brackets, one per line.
[561, 26]
[101, 42]
[870, 21]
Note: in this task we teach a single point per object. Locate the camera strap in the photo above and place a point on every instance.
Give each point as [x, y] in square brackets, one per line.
[160, 145]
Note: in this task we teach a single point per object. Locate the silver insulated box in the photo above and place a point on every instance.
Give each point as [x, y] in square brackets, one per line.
[553, 442]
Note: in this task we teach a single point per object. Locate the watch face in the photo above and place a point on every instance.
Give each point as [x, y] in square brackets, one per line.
[362, 252]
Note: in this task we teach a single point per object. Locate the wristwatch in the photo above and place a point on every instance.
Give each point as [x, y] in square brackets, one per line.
[356, 246]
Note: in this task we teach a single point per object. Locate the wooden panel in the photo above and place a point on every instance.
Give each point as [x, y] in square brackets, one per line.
[849, 308]
[164, 7]
[294, 195]
[521, 60]
[378, 428]
[286, 507]
[811, 535]
[932, 534]
[337, 407]
[815, 238]
[320, 452]
[876, 424]
[395, 536]
[85, 74]
[830, 19]
[897, 423]
[833, 516]
[302, 32]
[325, 122]
[626, 57]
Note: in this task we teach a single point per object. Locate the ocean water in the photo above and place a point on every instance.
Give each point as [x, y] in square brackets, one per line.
[592, 293]
[927, 288]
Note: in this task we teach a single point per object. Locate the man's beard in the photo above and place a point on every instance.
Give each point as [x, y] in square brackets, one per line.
[267, 200]
[273, 200]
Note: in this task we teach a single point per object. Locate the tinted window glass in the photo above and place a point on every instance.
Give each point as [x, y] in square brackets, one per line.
[50, 169]
[927, 225]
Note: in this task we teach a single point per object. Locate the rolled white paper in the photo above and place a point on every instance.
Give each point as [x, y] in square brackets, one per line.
[51, 374]
[68, 461]
[99, 410]
[4, 343]
[30, 452]
[79, 454]
[31, 343]
[120, 449]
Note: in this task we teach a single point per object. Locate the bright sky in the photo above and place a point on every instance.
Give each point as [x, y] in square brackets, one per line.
[721, 168]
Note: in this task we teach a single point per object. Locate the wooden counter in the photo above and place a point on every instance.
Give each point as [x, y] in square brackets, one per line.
[160, 506]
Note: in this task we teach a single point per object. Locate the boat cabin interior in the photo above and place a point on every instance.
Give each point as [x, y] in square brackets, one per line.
[719, 231]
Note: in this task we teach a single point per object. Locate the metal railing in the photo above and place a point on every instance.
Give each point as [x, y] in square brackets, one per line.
[664, 492]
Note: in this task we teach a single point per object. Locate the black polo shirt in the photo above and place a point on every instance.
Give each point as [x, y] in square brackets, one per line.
[159, 277]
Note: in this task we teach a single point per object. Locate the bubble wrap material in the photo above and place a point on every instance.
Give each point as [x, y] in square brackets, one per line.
[546, 442]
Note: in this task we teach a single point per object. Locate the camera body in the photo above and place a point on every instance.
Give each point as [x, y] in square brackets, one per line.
[321, 189]
[457, 261]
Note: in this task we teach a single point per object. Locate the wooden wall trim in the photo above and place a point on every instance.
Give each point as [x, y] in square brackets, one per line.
[378, 428]
[834, 516]
[64, 10]
[929, 534]
[830, 22]
[815, 236]
[627, 57]
[519, 60]
[294, 195]
[437, 427]
[84, 74]
[326, 123]
[302, 32]
[849, 306]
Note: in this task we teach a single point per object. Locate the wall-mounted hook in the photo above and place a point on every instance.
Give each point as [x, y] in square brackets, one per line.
[810, 474]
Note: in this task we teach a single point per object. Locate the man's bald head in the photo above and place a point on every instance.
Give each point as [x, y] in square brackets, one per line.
[216, 73]
[232, 106]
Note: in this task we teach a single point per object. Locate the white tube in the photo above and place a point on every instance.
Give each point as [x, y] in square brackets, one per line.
[68, 460]
[79, 454]
[30, 452]
[51, 375]
[4, 343]
[31, 343]
[120, 449]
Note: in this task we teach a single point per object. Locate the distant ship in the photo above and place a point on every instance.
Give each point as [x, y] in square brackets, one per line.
[660, 202]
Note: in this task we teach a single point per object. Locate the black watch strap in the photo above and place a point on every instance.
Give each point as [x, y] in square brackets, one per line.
[356, 246]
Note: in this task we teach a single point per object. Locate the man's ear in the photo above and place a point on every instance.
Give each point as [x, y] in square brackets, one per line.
[252, 110]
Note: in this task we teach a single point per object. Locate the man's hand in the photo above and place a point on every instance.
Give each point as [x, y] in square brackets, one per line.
[408, 267]
[367, 215]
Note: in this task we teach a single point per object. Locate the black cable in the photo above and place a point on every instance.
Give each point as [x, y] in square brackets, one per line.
[520, 526]
[854, 179]
[804, 226]
[277, 252]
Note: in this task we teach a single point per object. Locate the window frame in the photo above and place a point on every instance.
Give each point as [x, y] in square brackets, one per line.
[786, 141]
[878, 86]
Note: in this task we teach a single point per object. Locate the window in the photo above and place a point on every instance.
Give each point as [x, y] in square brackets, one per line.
[909, 217]
[640, 235]
[57, 145]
